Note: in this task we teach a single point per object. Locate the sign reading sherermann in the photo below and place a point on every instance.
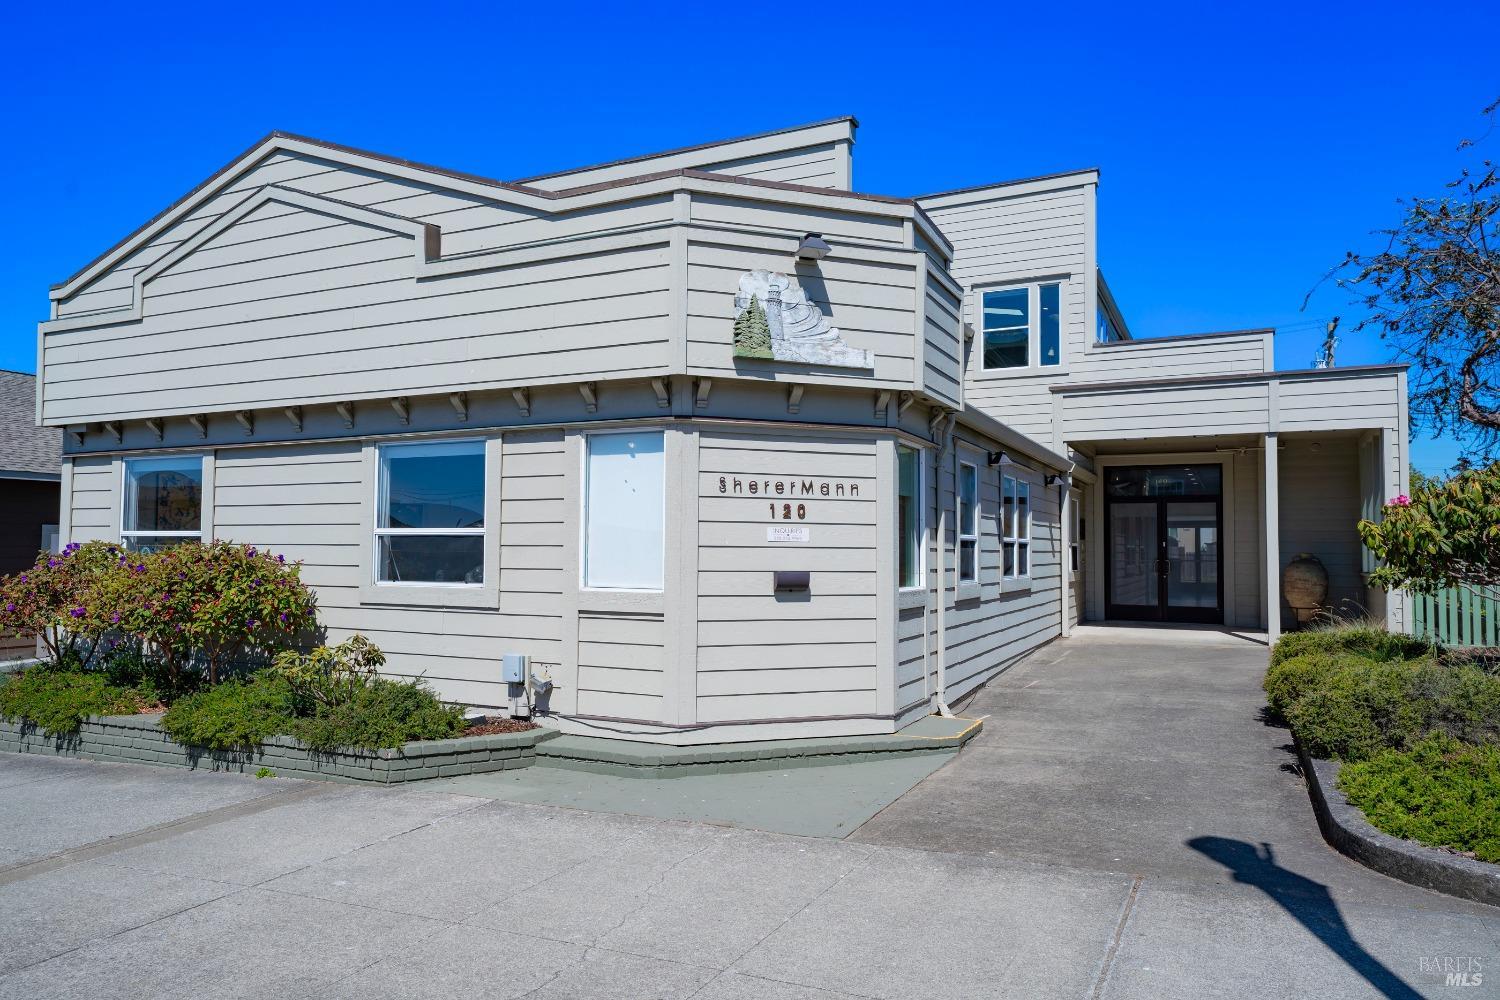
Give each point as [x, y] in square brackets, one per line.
[769, 489]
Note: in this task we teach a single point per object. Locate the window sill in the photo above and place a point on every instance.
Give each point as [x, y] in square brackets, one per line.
[485, 596]
[1015, 585]
[1033, 371]
[650, 602]
[913, 597]
[969, 590]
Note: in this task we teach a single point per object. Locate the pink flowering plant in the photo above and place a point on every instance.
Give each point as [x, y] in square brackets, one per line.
[64, 599]
[211, 604]
[1445, 534]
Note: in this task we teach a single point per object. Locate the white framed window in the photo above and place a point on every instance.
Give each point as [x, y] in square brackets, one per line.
[624, 510]
[163, 502]
[1015, 527]
[1075, 544]
[910, 526]
[1021, 326]
[968, 522]
[429, 514]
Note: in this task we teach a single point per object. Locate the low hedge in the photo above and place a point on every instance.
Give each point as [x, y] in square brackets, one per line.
[330, 698]
[1347, 707]
[1367, 641]
[379, 714]
[1441, 792]
[58, 700]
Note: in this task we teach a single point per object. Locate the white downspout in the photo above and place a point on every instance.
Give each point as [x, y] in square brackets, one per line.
[942, 572]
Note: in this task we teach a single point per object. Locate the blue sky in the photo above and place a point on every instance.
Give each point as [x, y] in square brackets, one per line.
[1243, 151]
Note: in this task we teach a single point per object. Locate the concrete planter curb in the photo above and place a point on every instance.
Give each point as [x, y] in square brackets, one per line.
[138, 739]
[1345, 827]
[648, 760]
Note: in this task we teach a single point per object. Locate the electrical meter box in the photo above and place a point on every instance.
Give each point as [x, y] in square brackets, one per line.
[514, 668]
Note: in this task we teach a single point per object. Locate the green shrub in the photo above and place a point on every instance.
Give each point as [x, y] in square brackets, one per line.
[233, 715]
[63, 599]
[330, 675]
[1359, 707]
[1289, 678]
[1441, 792]
[58, 700]
[329, 699]
[211, 604]
[383, 713]
[1369, 641]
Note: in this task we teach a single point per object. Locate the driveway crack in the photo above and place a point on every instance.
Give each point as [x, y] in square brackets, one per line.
[1110, 953]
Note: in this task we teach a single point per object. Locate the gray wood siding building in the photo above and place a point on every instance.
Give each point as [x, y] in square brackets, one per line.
[693, 538]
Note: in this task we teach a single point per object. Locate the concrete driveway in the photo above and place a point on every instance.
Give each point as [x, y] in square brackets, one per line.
[1103, 838]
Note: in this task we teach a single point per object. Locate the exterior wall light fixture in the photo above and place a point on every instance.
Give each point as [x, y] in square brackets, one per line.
[1001, 459]
[813, 247]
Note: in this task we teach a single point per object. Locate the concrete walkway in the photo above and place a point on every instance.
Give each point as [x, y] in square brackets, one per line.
[1143, 751]
[1103, 838]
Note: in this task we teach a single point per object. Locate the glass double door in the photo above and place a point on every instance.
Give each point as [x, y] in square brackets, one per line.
[1164, 559]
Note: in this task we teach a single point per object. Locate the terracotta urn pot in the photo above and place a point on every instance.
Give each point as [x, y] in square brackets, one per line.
[1304, 583]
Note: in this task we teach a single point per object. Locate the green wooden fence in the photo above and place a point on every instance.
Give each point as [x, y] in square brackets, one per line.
[1459, 617]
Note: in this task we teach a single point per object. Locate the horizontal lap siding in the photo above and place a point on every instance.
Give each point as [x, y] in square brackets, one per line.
[1004, 622]
[824, 165]
[1022, 402]
[306, 503]
[872, 305]
[1173, 359]
[1320, 511]
[1330, 403]
[821, 160]
[94, 502]
[764, 657]
[1166, 412]
[620, 668]
[943, 344]
[1022, 238]
[289, 305]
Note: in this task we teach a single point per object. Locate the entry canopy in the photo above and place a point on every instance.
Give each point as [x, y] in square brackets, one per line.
[1164, 480]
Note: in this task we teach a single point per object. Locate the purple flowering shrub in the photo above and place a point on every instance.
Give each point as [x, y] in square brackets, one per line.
[211, 603]
[63, 598]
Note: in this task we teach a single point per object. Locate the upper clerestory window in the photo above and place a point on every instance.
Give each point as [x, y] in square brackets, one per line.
[1022, 323]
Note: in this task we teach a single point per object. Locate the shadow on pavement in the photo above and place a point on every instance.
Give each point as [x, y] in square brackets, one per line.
[1309, 902]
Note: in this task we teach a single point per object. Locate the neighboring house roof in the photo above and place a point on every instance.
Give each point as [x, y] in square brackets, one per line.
[26, 450]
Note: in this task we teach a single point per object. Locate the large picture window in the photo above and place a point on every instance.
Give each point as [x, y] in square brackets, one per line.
[163, 502]
[624, 508]
[429, 516]
[1015, 543]
[968, 522]
[909, 516]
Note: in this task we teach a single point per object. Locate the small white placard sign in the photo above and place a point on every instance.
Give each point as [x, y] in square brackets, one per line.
[784, 533]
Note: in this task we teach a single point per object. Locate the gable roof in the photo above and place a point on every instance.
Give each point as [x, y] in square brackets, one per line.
[486, 186]
[33, 452]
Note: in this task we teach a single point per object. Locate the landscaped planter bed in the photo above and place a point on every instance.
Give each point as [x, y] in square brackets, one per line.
[138, 739]
[1345, 827]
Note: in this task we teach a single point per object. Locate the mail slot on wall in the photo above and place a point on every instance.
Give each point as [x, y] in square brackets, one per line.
[792, 581]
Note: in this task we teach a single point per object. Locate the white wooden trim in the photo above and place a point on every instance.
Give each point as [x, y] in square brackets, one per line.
[1271, 504]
